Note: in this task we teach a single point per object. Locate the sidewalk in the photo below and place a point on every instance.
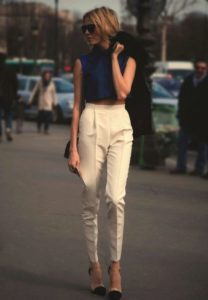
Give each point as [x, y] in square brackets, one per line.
[42, 251]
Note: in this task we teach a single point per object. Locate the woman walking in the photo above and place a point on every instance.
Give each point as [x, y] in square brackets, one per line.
[104, 135]
[44, 93]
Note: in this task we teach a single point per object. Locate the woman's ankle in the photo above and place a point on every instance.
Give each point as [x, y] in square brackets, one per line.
[95, 275]
[95, 265]
[115, 276]
[115, 265]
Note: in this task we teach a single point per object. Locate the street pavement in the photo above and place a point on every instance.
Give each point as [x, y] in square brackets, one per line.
[42, 251]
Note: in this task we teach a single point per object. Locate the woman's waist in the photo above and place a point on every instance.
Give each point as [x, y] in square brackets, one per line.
[106, 101]
[45, 103]
[106, 105]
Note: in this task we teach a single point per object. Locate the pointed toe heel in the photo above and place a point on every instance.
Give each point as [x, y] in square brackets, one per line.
[114, 295]
[98, 290]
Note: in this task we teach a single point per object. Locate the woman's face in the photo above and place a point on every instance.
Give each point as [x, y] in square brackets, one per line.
[47, 76]
[91, 32]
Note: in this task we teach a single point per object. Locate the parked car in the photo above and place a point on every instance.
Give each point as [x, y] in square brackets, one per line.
[65, 97]
[173, 69]
[164, 109]
[164, 103]
[68, 77]
[171, 84]
[165, 122]
[151, 150]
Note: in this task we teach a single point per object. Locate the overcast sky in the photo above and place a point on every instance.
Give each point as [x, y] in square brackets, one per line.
[82, 6]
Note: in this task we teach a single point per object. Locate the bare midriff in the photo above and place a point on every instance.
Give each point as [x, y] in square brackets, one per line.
[107, 102]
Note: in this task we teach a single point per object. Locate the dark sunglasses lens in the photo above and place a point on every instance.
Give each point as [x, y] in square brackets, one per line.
[90, 28]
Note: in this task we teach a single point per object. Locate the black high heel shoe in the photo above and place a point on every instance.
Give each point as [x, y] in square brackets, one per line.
[98, 290]
[114, 294]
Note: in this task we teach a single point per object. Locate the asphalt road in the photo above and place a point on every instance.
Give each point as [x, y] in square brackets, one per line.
[42, 251]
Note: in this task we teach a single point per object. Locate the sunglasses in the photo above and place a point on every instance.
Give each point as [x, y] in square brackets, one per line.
[88, 27]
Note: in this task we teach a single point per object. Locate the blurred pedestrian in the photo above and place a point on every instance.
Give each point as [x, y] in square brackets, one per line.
[105, 76]
[19, 112]
[200, 118]
[44, 95]
[193, 118]
[205, 175]
[8, 96]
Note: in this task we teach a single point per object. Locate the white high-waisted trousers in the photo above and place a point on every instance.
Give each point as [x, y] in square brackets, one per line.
[105, 139]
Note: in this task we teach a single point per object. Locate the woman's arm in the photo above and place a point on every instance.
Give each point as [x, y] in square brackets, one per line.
[74, 157]
[122, 82]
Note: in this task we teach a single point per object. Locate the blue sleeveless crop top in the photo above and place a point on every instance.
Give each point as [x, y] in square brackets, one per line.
[97, 74]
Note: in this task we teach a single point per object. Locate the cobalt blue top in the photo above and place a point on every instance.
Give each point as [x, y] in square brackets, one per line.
[97, 74]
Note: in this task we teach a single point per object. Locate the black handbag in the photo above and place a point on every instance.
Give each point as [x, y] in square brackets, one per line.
[66, 151]
[67, 148]
[66, 155]
[139, 103]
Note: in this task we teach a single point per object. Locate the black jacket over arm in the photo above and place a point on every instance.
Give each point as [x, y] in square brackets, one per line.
[138, 104]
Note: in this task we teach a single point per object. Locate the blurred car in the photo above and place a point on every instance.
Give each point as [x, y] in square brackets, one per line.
[173, 69]
[171, 84]
[68, 77]
[165, 122]
[65, 97]
[164, 103]
[164, 108]
[151, 150]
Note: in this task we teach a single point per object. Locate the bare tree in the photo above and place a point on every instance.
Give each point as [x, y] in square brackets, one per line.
[172, 11]
[193, 43]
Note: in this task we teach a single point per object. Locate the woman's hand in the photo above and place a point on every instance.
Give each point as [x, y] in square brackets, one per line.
[74, 161]
[117, 49]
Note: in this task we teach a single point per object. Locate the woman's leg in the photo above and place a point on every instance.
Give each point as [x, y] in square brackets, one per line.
[39, 120]
[118, 161]
[47, 120]
[92, 159]
[201, 158]
[183, 141]
[8, 123]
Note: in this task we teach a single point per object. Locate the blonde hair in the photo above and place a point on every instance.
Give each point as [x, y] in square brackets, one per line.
[105, 19]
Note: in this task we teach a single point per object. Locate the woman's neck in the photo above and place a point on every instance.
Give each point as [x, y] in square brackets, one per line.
[104, 44]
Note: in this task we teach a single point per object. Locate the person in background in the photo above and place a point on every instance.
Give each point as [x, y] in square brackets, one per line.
[44, 93]
[200, 121]
[19, 114]
[8, 96]
[193, 116]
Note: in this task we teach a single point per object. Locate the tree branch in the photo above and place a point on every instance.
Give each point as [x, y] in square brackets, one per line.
[175, 7]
